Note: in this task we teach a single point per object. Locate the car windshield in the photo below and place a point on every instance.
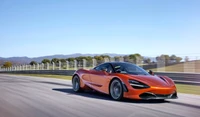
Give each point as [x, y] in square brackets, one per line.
[129, 68]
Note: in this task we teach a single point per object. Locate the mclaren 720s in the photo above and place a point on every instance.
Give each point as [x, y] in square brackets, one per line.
[124, 80]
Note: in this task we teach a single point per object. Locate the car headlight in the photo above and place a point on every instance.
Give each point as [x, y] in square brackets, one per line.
[138, 85]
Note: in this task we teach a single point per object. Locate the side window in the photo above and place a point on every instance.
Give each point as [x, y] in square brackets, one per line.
[107, 67]
[99, 68]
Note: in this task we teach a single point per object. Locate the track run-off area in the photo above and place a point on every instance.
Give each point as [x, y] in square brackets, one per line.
[26, 96]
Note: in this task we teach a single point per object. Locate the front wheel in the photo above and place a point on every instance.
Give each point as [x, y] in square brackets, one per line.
[76, 84]
[116, 89]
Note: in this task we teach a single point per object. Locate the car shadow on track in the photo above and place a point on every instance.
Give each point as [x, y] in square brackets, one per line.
[98, 95]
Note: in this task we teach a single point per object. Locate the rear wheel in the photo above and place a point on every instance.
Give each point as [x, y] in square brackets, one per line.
[116, 89]
[76, 84]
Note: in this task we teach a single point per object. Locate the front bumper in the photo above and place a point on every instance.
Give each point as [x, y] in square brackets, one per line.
[151, 93]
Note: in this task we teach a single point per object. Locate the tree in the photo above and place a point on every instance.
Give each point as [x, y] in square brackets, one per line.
[45, 61]
[80, 58]
[186, 59]
[105, 56]
[136, 58]
[117, 58]
[99, 59]
[62, 60]
[178, 59]
[7, 64]
[126, 58]
[33, 63]
[89, 60]
[147, 60]
[173, 57]
[55, 60]
[166, 57]
[70, 59]
[163, 58]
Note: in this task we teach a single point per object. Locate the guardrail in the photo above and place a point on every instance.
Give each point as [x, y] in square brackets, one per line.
[180, 78]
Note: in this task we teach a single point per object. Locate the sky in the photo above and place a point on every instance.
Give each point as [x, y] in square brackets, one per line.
[35, 28]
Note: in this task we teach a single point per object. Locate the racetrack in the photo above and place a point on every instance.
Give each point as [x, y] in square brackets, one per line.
[24, 96]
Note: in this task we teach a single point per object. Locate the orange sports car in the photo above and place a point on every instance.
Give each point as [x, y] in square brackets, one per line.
[124, 80]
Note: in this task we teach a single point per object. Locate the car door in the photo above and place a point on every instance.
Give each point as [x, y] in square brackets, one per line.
[100, 79]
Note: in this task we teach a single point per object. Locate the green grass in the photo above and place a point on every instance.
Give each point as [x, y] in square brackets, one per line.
[189, 89]
[182, 88]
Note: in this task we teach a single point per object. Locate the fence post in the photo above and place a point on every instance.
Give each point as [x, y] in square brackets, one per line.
[38, 66]
[94, 62]
[84, 63]
[121, 59]
[47, 66]
[53, 65]
[112, 59]
[33, 66]
[59, 65]
[42, 66]
[67, 65]
[106, 59]
[75, 64]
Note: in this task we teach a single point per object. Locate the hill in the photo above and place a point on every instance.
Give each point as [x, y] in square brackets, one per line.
[27, 60]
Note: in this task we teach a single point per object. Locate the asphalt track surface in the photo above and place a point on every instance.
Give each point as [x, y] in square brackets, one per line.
[24, 96]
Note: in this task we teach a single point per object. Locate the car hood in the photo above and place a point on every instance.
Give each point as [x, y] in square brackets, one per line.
[152, 80]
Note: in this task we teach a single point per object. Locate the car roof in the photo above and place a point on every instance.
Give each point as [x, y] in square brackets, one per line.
[114, 62]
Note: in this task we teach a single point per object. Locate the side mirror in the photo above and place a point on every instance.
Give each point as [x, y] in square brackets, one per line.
[151, 72]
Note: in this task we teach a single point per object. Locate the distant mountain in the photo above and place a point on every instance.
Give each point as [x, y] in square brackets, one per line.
[26, 60]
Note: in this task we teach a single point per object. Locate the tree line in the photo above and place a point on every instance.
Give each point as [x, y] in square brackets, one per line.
[133, 58]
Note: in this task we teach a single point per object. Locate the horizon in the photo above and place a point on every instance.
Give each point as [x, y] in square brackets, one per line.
[43, 28]
[98, 54]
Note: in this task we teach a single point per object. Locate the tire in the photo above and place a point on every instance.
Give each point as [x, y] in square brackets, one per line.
[116, 89]
[76, 84]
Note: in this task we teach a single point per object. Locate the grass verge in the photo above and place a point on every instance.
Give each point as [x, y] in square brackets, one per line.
[182, 88]
[189, 89]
